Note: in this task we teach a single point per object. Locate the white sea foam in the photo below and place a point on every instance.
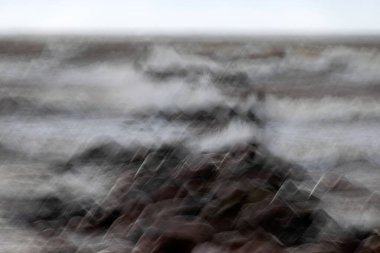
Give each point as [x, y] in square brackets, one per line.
[235, 133]
[164, 58]
[324, 145]
[320, 109]
[323, 132]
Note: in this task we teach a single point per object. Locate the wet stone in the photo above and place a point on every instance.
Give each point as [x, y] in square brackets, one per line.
[209, 248]
[230, 239]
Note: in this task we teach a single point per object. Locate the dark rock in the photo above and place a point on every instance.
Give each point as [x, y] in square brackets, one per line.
[314, 248]
[193, 231]
[208, 247]
[137, 229]
[371, 244]
[324, 228]
[202, 171]
[291, 230]
[167, 190]
[46, 208]
[103, 219]
[58, 245]
[134, 203]
[165, 208]
[291, 193]
[162, 160]
[230, 239]
[222, 211]
[261, 242]
[173, 245]
[53, 213]
[121, 227]
[265, 213]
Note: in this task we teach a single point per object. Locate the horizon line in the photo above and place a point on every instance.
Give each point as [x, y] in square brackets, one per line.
[190, 32]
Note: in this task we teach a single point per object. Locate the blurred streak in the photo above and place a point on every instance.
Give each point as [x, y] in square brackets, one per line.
[189, 145]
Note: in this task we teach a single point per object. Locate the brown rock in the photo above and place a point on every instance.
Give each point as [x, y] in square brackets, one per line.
[230, 239]
[121, 225]
[173, 244]
[209, 248]
[371, 244]
[194, 231]
[262, 242]
[162, 209]
[313, 248]
[167, 191]
[263, 213]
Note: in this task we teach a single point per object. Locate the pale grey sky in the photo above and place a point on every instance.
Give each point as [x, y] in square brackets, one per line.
[296, 16]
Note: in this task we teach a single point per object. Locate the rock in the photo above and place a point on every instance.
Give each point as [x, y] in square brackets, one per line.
[163, 209]
[173, 244]
[324, 228]
[52, 210]
[314, 248]
[58, 245]
[162, 160]
[103, 219]
[222, 211]
[167, 190]
[291, 230]
[263, 213]
[137, 229]
[121, 187]
[148, 241]
[134, 202]
[290, 192]
[177, 201]
[203, 170]
[261, 242]
[209, 248]
[231, 239]
[121, 226]
[193, 231]
[288, 225]
[370, 244]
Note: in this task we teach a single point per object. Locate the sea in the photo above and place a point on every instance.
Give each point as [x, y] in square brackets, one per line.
[313, 101]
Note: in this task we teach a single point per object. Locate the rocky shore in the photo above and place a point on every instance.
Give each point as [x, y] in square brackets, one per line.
[168, 199]
[220, 145]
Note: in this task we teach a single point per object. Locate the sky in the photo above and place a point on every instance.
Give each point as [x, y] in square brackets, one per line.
[190, 16]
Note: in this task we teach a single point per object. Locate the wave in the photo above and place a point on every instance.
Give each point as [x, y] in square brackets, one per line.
[323, 110]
